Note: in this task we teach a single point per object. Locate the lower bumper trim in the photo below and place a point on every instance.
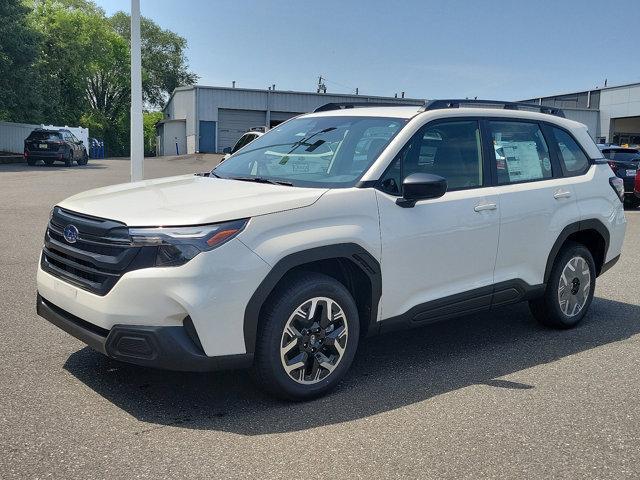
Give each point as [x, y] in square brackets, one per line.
[169, 348]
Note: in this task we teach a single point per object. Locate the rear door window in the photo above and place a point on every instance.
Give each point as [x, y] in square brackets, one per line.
[521, 152]
[573, 159]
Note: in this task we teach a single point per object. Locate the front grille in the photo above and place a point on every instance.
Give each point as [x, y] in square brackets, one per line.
[98, 258]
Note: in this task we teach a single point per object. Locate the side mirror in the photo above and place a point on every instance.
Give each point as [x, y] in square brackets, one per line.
[226, 150]
[421, 186]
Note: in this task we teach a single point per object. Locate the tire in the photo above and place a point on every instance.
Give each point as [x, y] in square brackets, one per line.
[31, 162]
[69, 160]
[565, 302]
[49, 161]
[84, 160]
[327, 346]
[633, 202]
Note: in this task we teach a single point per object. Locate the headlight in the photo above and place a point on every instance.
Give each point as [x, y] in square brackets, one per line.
[178, 245]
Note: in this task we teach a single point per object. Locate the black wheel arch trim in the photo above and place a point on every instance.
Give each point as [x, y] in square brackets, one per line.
[582, 225]
[353, 252]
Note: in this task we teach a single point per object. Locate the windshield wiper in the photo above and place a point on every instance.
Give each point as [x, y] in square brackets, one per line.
[262, 180]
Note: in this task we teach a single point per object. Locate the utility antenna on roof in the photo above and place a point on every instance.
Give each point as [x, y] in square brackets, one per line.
[322, 88]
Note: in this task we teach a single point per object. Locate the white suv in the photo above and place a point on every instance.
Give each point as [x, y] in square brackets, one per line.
[336, 225]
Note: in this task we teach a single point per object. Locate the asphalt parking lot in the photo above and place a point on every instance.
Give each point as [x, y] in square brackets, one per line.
[487, 396]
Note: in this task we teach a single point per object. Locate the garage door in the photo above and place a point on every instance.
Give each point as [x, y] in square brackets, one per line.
[278, 117]
[233, 123]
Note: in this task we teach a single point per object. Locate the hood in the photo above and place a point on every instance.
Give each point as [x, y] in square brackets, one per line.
[188, 200]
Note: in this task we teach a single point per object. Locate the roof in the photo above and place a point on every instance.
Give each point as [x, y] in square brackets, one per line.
[412, 111]
[294, 92]
[391, 112]
[585, 90]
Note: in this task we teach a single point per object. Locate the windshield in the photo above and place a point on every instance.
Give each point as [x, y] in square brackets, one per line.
[622, 155]
[314, 151]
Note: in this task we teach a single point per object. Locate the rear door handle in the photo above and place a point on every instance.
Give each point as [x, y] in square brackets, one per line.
[561, 194]
[485, 206]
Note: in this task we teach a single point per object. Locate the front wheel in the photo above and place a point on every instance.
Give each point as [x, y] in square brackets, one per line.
[307, 337]
[570, 288]
[84, 159]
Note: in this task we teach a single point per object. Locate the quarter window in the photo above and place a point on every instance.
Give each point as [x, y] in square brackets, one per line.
[571, 155]
[521, 152]
[449, 149]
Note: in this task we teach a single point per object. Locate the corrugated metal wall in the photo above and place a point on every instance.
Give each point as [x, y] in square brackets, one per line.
[210, 101]
[12, 136]
[591, 118]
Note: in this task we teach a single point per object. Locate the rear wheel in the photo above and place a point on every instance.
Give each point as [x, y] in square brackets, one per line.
[307, 338]
[569, 290]
[69, 160]
[49, 161]
[31, 162]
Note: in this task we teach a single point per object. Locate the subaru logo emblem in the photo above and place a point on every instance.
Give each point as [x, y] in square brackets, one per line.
[70, 233]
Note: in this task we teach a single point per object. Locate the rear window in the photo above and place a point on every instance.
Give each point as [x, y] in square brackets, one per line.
[621, 154]
[571, 155]
[45, 136]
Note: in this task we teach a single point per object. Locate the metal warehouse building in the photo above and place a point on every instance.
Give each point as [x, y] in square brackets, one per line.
[611, 113]
[208, 119]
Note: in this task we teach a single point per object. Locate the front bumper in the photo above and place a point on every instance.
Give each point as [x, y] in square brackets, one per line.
[212, 290]
[165, 347]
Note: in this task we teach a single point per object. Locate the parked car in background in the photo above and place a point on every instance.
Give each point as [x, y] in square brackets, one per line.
[51, 145]
[624, 162]
[245, 139]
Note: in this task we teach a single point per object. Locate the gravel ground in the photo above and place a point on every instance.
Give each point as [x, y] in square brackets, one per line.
[486, 396]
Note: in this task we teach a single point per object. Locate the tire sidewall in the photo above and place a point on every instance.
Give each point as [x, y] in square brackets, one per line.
[553, 303]
[290, 299]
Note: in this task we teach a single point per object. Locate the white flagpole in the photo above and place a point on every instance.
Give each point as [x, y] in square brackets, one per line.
[137, 134]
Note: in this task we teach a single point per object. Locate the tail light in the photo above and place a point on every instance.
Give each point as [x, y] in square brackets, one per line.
[618, 186]
[26, 155]
[636, 185]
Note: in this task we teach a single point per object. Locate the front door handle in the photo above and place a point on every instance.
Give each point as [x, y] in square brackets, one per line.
[561, 194]
[485, 206]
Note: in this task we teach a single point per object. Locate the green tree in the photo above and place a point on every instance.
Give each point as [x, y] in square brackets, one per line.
[19, 43]
[150, 119]
[65, 62]
[164, 63]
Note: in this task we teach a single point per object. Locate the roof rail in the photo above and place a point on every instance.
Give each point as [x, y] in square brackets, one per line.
[457, 103]
[345, 105]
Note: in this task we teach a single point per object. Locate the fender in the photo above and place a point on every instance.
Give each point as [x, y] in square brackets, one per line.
[350, 251]
[582, 225]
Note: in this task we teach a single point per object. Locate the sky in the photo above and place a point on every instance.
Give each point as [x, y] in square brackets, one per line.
[507, 50]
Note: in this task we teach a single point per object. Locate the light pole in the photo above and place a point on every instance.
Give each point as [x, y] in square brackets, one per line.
[137, 135]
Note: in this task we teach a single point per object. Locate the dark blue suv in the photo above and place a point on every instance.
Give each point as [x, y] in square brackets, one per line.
[624, 162]
[50, 145]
